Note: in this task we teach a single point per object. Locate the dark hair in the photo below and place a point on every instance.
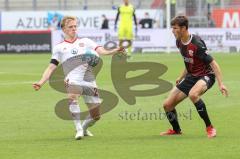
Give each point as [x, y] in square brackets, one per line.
[180, 21]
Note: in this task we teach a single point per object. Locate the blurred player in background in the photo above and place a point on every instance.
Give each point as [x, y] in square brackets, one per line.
[69, 49]
[198, 76]
[125, 30]
[105, 22]
[146, 22]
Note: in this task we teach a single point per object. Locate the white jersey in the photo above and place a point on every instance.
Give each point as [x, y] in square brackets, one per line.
[66, 51]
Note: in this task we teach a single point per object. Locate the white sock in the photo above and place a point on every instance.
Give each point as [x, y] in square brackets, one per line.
[75, 110]
[88, 122]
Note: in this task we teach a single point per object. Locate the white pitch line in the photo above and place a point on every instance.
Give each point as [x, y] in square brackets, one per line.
[22, 82]
[24, 74]
[16, 83]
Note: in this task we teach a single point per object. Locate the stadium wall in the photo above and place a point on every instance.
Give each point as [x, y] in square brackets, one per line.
[40, 20]
[31, 29]
[217, 40]
[25, 41]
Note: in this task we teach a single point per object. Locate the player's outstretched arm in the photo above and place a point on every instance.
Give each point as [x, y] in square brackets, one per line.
[45, 77]
[103, 51]
[218, 74]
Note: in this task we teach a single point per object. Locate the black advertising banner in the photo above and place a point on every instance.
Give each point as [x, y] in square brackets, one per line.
[25, 41]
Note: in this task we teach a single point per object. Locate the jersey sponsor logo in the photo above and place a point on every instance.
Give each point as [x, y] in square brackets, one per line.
[188, 60]
[74, 51]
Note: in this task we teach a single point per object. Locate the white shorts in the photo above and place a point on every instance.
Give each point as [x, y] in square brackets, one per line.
[88, 90]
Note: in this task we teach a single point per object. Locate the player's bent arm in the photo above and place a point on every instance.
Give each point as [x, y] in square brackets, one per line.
[182, 75]
[45, 77]
[214, 65]
[102, 51]
[217, 72]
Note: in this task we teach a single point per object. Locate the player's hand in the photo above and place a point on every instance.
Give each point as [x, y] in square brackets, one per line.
[223, 90]
[115, 28]
[178, 80]
[36, 86]
[122, 51]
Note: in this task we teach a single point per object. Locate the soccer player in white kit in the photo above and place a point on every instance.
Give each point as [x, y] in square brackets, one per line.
[73, 47]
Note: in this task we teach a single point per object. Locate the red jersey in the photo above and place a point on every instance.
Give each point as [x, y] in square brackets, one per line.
[195, 56]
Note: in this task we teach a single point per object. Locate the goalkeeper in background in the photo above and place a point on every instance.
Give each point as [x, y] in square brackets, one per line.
[125, 31]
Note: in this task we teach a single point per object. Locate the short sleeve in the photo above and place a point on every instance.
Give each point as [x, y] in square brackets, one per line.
[91, 44]
[202, 53]
[56, 54]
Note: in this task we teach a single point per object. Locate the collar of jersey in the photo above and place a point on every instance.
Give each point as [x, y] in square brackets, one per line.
[188, 42]
[71, 41]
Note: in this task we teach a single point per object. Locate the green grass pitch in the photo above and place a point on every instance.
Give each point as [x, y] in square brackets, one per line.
[29, 128]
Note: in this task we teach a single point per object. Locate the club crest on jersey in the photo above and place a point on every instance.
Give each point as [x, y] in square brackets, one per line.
[206, 78]
[74, 51]
[81, 44]
[190, 52]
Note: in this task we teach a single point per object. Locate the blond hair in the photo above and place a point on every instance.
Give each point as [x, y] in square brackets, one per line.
[66, 19]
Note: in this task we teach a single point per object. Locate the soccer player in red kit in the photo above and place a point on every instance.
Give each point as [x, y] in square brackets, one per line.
[198, 76]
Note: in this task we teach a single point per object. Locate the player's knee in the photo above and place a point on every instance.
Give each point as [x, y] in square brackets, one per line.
[72, 101]
[95, 113]
[72, 97]
[97, 117]
[167, 105]
[193, 96]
